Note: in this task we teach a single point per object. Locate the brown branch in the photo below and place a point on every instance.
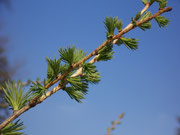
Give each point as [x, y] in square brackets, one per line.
[142, 21]
[79, 71]
[60, 77]
[142, 12]
[94, 59]
[115, 124]
[28, 106]
[38, 100]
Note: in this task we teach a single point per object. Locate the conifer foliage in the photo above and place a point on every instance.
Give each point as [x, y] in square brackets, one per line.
[14, 95]
[146, 25]
[13, 129]
[71, 70]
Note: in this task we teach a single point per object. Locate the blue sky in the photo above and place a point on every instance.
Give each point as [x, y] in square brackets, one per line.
[144, 83]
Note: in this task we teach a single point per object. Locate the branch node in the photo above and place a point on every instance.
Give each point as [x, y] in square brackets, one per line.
[95, 52]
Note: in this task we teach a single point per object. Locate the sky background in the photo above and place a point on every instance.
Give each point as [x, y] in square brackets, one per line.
[145, 84]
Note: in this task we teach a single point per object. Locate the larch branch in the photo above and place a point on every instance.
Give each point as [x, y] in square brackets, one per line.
[73, 67]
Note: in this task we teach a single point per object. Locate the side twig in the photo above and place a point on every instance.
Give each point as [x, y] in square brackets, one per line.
[114, 124]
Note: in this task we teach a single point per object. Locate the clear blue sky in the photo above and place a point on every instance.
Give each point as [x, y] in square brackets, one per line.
[145, 84]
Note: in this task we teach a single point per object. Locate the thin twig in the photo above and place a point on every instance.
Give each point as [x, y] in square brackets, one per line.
[114, 124]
